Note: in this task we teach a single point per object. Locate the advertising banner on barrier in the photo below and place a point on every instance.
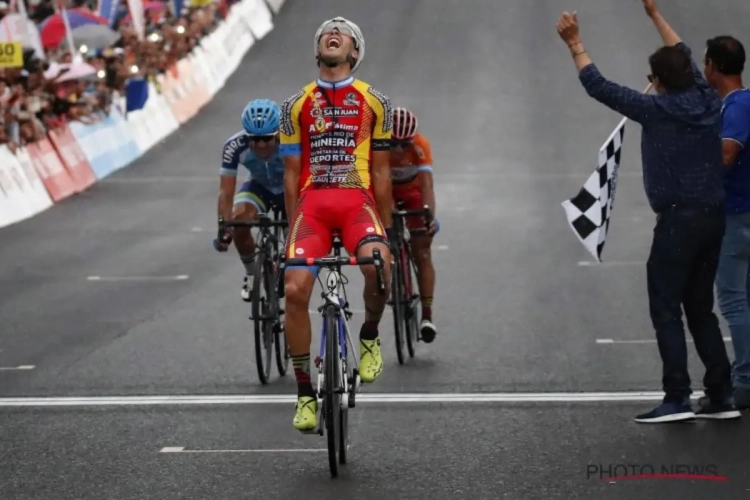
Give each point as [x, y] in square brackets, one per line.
[42, 200]
[107, 145]
[259, 19]
[48, 165]
[12, 187]
[23, 192]
[8, 209]
[72, 157]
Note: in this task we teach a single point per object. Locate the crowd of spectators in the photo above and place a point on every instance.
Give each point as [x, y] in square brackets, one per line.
[32, 100]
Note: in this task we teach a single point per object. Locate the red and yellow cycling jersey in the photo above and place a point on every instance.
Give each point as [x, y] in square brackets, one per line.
[406, 166]
[334, 127]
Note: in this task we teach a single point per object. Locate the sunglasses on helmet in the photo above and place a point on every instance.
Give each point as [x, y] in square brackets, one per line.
[341, 28]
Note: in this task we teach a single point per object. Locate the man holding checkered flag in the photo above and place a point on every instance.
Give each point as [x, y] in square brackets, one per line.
[681, 157]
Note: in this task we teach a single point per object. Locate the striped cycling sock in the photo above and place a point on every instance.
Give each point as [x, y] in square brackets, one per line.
[427, 308]
[302, 374]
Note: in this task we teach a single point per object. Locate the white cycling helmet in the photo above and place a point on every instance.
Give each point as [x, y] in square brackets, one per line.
[347, 28]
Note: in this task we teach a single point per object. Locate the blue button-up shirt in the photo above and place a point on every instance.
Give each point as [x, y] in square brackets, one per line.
[736, 128]
[680, 143]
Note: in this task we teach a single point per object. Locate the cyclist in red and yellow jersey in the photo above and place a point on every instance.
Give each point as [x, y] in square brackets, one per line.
[411, 174]
[335, 140]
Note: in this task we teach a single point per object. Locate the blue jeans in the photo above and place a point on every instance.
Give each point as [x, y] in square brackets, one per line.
[732, 284]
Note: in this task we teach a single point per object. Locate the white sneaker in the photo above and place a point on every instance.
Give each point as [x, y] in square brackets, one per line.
[427, 330]
[247, 289]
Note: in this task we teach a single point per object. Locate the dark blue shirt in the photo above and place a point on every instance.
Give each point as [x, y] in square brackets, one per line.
[736, 127]
[680, 143]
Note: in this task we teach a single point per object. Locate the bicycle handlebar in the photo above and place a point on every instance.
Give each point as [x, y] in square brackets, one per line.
[425, 211]
[332, 261]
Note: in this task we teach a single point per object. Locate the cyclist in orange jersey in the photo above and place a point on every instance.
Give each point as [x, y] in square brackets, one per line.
[411, 175]
[335, 140]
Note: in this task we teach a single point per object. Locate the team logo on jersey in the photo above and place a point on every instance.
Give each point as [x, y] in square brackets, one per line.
[419, 151]
[317, 113]
[388, 112]
[351, 100]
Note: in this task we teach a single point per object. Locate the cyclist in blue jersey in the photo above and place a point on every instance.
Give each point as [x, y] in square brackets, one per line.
[257, 148]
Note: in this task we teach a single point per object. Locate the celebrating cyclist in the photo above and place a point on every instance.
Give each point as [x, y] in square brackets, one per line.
[257, 149]
[411, 175]
[335, 140]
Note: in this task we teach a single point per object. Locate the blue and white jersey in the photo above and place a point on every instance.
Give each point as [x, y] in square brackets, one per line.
[269, 173]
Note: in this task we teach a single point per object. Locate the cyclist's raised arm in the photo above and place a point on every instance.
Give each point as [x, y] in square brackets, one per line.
[230, 160]
[381, 154]
[290, 135]
[424, 153]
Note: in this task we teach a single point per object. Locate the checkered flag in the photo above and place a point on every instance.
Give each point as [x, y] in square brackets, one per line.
[589, 211]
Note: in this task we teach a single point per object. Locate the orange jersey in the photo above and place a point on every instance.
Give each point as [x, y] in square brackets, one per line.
[417, 157]
[334, 128]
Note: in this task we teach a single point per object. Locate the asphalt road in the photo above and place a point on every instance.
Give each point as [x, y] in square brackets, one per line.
[513, 135]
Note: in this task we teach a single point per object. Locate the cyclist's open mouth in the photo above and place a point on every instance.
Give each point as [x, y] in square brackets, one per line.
[333, 43]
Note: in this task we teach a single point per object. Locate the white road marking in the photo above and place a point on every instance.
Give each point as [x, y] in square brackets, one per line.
[466, 174]
[643, 341]
[21, 367]
[280, 450]
[498, 397]
[442, 247]
[588, 263]
[179, 277]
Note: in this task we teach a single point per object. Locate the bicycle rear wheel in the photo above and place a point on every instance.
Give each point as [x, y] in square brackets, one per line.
[411, 305]
[261, 308]
[397, 304]
[332, 398]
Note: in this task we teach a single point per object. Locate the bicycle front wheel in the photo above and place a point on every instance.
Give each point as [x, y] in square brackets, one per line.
[411, 304]
[261, 309]
[332, 398]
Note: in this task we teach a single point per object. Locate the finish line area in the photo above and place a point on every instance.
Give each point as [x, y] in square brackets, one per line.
[367, 398]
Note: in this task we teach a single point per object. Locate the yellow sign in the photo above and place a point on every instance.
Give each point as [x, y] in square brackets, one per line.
[11, 55]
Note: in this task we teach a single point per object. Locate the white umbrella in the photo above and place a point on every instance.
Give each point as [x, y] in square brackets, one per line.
[73, 71]
[95, 36]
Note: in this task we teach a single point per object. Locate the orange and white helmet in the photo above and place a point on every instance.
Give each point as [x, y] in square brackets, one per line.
[404, 124]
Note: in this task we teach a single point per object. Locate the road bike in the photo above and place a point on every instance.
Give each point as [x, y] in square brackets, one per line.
[338, 375]
[405, 300]
[266, 311]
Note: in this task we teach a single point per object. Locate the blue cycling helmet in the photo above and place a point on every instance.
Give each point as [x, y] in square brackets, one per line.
[261, 117]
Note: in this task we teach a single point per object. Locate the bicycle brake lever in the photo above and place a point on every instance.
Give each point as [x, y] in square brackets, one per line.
[378, 262]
